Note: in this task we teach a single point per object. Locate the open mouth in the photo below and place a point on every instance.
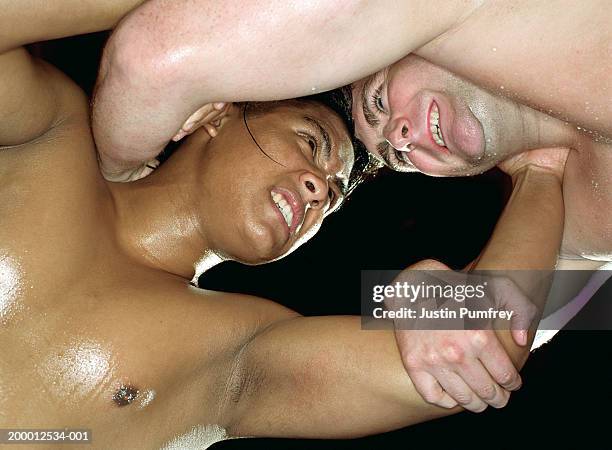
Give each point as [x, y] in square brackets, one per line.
[434, 125]
[284, 207]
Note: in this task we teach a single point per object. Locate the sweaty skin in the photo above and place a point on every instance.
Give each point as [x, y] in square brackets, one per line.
[93, 321]
[96, 301]
[391, 112]
[274, 52]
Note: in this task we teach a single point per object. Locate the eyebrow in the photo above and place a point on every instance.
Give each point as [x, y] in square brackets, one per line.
[327, 151]
[369, 116]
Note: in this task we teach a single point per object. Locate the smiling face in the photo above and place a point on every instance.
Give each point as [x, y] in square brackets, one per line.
[416, 116]
[258, 204]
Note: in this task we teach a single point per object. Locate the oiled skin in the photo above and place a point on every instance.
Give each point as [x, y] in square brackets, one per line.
[81, 316]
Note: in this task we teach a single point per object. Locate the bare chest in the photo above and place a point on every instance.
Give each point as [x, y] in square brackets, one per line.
[123, 364]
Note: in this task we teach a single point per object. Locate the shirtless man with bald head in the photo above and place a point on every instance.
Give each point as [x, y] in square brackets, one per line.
[99, 325]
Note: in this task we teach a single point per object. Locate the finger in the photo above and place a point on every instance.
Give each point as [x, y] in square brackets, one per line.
[497, 362]
[521, 322]
[480, 382]
[196, 117]
[210, 129]
[520, 337]
[179, 135]
[459, 391]
[219, 105]
[430, 389]
[510, 297]
[212, 115]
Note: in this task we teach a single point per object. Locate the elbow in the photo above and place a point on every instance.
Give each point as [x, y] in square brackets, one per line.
[142, 59]
[123, 59]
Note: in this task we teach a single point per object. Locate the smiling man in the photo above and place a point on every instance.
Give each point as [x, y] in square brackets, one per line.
[416, 116]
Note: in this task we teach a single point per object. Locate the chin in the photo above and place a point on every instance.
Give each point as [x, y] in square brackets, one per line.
[260, 250]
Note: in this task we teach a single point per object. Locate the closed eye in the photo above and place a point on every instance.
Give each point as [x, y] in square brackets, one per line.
[376, 99]
[312, 143]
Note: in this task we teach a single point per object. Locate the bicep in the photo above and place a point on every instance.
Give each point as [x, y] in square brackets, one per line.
[325, 377]
[25, 21]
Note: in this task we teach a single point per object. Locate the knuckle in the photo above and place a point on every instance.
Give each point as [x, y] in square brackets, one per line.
[487, 392]
[431, 396]
[480, 338]
[412, 361]
[505, 377]
[463, 398]
[433, 358]
[453, 353]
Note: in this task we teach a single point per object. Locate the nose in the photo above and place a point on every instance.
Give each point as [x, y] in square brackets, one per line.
[397, 132]
[313, 189]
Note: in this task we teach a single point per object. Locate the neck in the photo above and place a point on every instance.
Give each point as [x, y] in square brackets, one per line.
[543, 131]
[156, 224]
[206, 262]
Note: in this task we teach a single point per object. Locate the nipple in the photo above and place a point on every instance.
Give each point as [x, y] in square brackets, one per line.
[125, 395]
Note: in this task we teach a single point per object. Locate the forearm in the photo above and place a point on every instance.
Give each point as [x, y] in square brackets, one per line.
[529, 231]
[526, 241]
[26, 21]
[169, 58]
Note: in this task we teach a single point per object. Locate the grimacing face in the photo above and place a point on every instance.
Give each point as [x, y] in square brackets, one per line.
[418, 117]
[268, 201]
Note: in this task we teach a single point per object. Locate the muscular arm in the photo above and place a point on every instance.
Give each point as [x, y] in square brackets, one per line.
[25, 21]
[33, 95]
[324, 377]
[169, 58]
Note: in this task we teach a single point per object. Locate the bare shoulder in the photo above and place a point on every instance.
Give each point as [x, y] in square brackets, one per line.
[37, 98]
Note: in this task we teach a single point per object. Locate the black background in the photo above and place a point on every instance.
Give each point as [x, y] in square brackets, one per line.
[391, 222]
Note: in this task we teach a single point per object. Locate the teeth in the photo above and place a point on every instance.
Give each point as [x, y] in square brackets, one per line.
[283, 207]
[434, 126]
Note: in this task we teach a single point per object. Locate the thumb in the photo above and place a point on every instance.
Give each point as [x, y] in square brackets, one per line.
[510, 298]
